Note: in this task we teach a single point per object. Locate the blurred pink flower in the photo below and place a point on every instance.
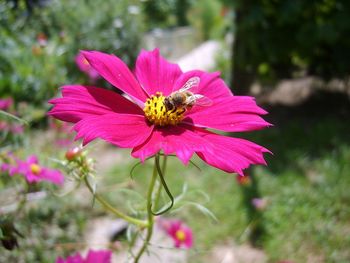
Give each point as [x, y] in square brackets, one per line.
[85, 67]
[11, 127]
[42, 39]
[259, 203]
[5, 103]
[145, 124]
[9, 164]
[11, 169]
[101, 256]
[33, 172]
[17, 128]
[4, 126]
[179, 232]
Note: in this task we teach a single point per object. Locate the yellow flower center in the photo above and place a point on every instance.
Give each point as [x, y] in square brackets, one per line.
[180, 235]
[156, 112]
[35, 168]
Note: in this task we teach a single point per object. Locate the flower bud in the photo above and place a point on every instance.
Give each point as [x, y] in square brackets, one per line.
[72, 154]
[243, 180]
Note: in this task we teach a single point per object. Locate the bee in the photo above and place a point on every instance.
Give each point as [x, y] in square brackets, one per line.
[184, 98]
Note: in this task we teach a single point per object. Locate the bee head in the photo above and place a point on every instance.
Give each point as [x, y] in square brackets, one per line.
[167, 103]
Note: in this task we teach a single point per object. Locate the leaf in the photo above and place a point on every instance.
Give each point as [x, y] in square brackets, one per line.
[131, 208]
[129, 232]
[200, 207]
[206, 211]
[93, 187]
[58, 161]
[13, 117]
[130, 192]
[202, 194]
[184, 188]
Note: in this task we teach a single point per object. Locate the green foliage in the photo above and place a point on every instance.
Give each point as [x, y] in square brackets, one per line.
[159, 14]
[181, 8]
[32, 71]
[205, 16]
[47, 225]
[279, 37]
[165, 13]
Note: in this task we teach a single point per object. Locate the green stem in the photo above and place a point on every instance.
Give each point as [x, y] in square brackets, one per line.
[161, 177]
[159, 190]
[149, 213]
[23, 199]
[113, 210]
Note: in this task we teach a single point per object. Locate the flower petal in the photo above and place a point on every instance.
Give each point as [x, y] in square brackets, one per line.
[155, 73]
[101, 256]
[80, 102]
[116, 72]
[123, 130]
[232, 114]
[11, 169]
[85, 67]
[229, 154]
[173, 227]
[52, 175]
[177, 139]
[210, 85]
[188, 242]
[32, 159]
[76, 258]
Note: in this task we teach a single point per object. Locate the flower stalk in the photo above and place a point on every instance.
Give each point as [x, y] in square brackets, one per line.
[150, 215]
[159, 190]
[162, 180]
[109, 207]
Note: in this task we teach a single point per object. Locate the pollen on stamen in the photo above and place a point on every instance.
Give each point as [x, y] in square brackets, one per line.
[156, 113]
[35, 168]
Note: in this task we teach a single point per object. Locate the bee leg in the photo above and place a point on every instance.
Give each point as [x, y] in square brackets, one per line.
[180, 112]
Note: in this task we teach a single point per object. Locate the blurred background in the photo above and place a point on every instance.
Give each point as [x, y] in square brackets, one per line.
[292, 55]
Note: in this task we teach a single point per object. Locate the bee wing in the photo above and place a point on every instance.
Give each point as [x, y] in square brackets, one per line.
[191, 83]
[200, 100]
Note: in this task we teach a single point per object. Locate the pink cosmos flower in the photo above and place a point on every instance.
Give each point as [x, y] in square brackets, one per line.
[101, 256]
[146, 125]
[179, 232]
[85, 67]
[33, 172]
[5, 103]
